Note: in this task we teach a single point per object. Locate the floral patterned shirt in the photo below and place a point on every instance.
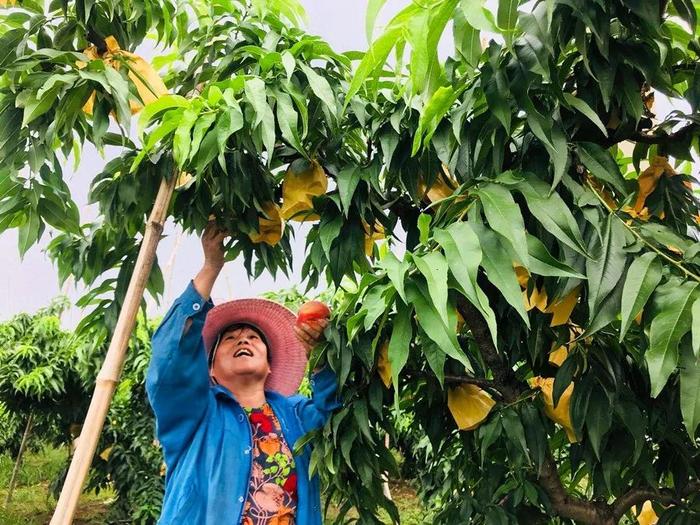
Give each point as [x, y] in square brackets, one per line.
[272, 495]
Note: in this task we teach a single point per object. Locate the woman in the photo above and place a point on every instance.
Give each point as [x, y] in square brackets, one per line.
[222, 383]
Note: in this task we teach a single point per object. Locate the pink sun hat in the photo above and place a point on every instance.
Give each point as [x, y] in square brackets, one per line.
[287, 354]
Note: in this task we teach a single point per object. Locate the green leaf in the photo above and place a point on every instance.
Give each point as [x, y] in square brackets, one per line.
[582, 106]
[690, 389]
[635, 422]
[373, 8]
[396, 270]
[328, 232]
[321, 88]
[499, 269]
[478, 16]
[433, 266]
[230, 121]
[59, 214]
[552, 212]
[416, 32]
[559, 153]
[182, 139]
[515, 430]
[507, 18]
[256, 95]
[268, 132]
[29, 232]
[607, 312]
[645, 9]
[437, 106]
[288, 120]
[429, 319]
[374, 59]
[119, 88]
[467, 39]
[424, 227]
[347, 183]
[289, 63]
[436, 359]
[36, 107]
[200, 128]
[8, 45]
[504, 217]
[643, 276]
[598, 418]
[604, 272]
[399, 345]
[376, 302]
[161, 104]
[688, 12]
[696, 327]
[463, 254]
[671, 302]
[601, 164]
[543, 263]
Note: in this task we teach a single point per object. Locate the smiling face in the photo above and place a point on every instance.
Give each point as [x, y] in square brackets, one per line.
[241, 355]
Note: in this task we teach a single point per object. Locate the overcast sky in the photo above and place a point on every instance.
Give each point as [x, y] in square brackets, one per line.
[28, 284]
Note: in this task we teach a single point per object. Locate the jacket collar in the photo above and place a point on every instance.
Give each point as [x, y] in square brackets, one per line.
[221, 391]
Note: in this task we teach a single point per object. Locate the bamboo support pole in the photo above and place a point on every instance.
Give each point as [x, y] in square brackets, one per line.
[112, 367]
[385, 475]
[18, 462]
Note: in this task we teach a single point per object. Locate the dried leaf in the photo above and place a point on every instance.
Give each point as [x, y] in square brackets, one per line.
[563, 308]
[270, 230]
[649, 179]
[298, 189]
[538, 299]
[377, 234]
[558, 356]
[384, 365]
[148, 83]
[469, 405]
[647, 516]
[443, 187]
[522, 274]
[560, 414]
[106, 453]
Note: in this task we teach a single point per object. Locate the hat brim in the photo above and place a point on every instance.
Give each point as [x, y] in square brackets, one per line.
[287, 354]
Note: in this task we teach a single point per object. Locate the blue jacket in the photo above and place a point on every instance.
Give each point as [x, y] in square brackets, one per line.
[205, 434]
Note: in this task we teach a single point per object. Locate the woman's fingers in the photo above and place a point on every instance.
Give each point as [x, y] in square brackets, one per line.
[314, 328]
[308, 334]
[306, 342]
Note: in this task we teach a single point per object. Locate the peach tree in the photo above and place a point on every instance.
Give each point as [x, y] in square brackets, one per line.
[532, 309]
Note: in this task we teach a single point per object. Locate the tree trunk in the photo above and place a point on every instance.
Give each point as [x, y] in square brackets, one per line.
[18, 461]
[111, 368]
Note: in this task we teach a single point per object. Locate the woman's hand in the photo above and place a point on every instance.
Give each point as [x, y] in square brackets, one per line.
[214, 258]
[310, 333]
[213, 245]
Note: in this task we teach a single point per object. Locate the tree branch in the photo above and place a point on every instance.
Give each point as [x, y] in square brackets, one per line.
[504, 378]
[638, 496]
[511, 388]
[649, 138]
[507, 384]
[486, 384]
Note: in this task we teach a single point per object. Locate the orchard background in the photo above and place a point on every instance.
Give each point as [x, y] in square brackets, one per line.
[508, 234]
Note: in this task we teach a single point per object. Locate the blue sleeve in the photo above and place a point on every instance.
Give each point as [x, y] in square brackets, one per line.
[314, 412]
[177, 380]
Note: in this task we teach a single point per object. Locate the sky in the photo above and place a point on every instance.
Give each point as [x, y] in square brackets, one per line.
[28, 284]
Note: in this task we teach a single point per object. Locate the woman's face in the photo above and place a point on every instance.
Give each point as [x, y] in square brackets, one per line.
[241, 354]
